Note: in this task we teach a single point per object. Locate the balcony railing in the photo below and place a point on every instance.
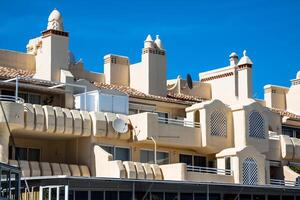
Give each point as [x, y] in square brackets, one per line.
[11, 98]
[178, 122]
[209, 170]
[284, 183]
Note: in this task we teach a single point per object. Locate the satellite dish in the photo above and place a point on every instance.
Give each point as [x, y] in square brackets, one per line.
[120, 125]
[189, 81]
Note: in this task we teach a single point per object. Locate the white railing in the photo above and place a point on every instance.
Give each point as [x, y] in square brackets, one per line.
[11, 98]
[284, 182]
[209, 170]
[178, 122]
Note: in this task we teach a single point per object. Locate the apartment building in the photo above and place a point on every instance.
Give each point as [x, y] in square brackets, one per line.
[129, 133]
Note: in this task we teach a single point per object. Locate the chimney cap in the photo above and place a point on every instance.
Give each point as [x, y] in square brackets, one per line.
[233, 55]
[245, 59]
[298, 75]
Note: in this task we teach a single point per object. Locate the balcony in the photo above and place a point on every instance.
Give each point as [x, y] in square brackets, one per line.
[207, 174]
[284, 183]
[165, 130]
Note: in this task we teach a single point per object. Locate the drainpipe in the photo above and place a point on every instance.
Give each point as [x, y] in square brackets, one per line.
[155, 149]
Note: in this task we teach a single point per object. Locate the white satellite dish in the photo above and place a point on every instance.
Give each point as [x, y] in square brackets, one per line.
[120, 125]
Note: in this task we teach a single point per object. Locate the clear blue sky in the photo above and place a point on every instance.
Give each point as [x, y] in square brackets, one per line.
[198, 35]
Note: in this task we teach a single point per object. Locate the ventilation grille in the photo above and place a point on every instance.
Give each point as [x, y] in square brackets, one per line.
[250, 172]
[256, 125]
[218, 123]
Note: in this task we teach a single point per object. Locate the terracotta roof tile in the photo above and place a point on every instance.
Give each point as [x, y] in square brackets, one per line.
[9, 72]
[26, 76]
[170, 98]
[285, 113]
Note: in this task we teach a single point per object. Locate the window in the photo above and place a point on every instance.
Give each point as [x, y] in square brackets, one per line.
[122, 154]
[147, 156]
[218, 123]
[97, 195]
[291, 131]
[188, 159]
[227, 164]
[250, 172]
[28, 97]
[123, 195]
[118, 153]
[193, 160]
[256, 125]
[23, 153]
[80, 195]
[186, 196]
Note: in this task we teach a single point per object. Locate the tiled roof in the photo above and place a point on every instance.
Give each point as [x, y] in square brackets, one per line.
[170, 98]
[9, 72]
[26, 76]
[285, 113]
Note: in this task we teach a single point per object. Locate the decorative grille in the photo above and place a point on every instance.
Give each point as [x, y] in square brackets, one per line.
[250, 172]
[256, 125]
[218, 123]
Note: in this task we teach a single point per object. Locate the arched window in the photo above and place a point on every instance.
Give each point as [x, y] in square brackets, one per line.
[256, 125]
[250, 172]
[218, 123]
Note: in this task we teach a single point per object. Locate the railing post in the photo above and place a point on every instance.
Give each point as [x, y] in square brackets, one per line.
[17, 89]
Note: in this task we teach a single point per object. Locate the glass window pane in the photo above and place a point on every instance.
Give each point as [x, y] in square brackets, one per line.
[186, 196]
[34, 154]
[8, 92]
[54, 193]
[162, 158]
[122, 154]
[108, 149]
[146, 156]
[200, 161]
[142, 196]
[125, 195]
[287, 197]
[157, 196]
[258, 197]
[273, 197]
[10, 153]
[34, 99]
[81, 195]
[171, 196]
[97, 195]
[297, 134]
[21, 153]
[245, 196]
[110, 195]
[230, 196]
[188, 159]
[4, 183]
[214, 197]
[287, 131]
[200, 196]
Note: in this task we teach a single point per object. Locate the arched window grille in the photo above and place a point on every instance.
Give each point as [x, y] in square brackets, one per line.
[256, 125]
[218, 123]
[250, 172]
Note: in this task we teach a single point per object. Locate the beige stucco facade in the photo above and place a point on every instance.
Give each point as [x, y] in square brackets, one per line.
[209, 130]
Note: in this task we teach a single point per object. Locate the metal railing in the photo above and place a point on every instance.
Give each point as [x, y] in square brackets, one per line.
[11, 98]
[284, 182]
[209, 170]
[178, 122]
